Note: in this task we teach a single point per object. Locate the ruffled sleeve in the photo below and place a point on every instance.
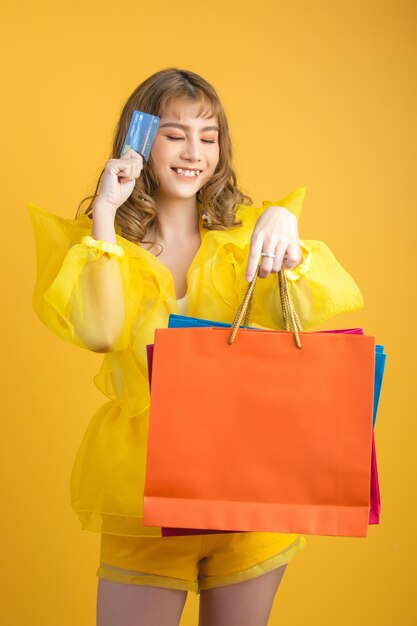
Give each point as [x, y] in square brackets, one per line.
[86, 294]
[292, 202]
[319, 286]
[320, 289]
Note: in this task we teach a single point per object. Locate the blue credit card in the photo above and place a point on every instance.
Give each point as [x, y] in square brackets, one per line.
[141, 133]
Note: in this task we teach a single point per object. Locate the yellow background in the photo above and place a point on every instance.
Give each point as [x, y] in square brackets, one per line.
[319, 93]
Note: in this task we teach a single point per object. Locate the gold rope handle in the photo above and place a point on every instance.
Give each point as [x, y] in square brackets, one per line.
[289, 313]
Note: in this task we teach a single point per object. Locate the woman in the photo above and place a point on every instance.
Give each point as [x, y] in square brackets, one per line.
[172, 234]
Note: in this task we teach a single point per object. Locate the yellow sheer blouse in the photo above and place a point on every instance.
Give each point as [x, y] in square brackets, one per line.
[111, 299]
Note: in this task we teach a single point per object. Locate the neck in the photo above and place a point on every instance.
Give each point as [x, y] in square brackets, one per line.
[177, 218]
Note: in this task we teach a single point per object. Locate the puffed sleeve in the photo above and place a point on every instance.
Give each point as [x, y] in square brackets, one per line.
[320, 289]
[319, 286]
[292, 202]
[86, 294]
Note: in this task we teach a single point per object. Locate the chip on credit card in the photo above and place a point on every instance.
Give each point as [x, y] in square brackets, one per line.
[141, 133]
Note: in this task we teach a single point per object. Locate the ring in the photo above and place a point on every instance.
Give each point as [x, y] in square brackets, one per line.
[270, 255]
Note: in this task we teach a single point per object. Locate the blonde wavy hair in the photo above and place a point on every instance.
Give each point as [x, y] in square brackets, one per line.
[218, 199]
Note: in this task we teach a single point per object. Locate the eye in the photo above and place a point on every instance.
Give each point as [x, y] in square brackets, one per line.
[172, 138]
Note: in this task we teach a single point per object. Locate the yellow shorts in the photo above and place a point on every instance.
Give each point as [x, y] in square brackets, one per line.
[194, 562]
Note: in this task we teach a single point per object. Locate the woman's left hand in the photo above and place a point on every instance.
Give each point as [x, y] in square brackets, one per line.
[276, 232]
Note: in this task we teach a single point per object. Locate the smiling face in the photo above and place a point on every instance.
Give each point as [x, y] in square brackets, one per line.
[185, 151]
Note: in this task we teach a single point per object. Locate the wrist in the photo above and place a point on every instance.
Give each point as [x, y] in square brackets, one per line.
[280, 209]
[103, 210]
[103, 222]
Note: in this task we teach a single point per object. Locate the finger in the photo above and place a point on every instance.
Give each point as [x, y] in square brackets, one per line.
[293, 256]
[267, 262]
[126, 171]
[269, 246]
[132, 154]
[136, 160]
[279, 256]
[122, 168]
[136, 169]
[254, 254]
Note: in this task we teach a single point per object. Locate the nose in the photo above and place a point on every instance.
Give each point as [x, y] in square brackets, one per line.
[192, 149]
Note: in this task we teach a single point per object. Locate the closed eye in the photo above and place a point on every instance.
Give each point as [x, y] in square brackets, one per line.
[181, 138]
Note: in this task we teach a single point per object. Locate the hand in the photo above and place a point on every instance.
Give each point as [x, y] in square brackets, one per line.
[119, 179]
[276, 231]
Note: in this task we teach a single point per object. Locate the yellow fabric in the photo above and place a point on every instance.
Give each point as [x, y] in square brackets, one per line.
[108, 303]
[293, 202]
[195, 562]
[105, 246]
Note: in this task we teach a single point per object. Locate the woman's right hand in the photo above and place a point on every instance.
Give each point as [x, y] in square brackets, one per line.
[118, 180]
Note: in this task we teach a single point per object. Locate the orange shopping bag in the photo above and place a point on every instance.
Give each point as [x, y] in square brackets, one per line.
[253, 433]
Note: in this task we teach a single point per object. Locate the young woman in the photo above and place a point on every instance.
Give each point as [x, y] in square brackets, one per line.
[174, 234]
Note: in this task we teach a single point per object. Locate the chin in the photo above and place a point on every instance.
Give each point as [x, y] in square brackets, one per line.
[180, 193]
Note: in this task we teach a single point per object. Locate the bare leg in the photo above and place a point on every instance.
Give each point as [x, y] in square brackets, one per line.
[243, 604]
[120, 604]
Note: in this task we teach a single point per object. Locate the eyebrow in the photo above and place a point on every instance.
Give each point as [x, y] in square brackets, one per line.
[185, 127]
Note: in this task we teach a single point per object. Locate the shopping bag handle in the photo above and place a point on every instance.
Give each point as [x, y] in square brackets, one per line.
[289, 313]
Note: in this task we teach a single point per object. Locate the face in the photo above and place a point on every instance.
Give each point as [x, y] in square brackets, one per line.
[185, 151]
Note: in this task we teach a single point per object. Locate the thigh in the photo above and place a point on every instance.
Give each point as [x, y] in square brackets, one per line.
[120, 604]
[247, 603]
